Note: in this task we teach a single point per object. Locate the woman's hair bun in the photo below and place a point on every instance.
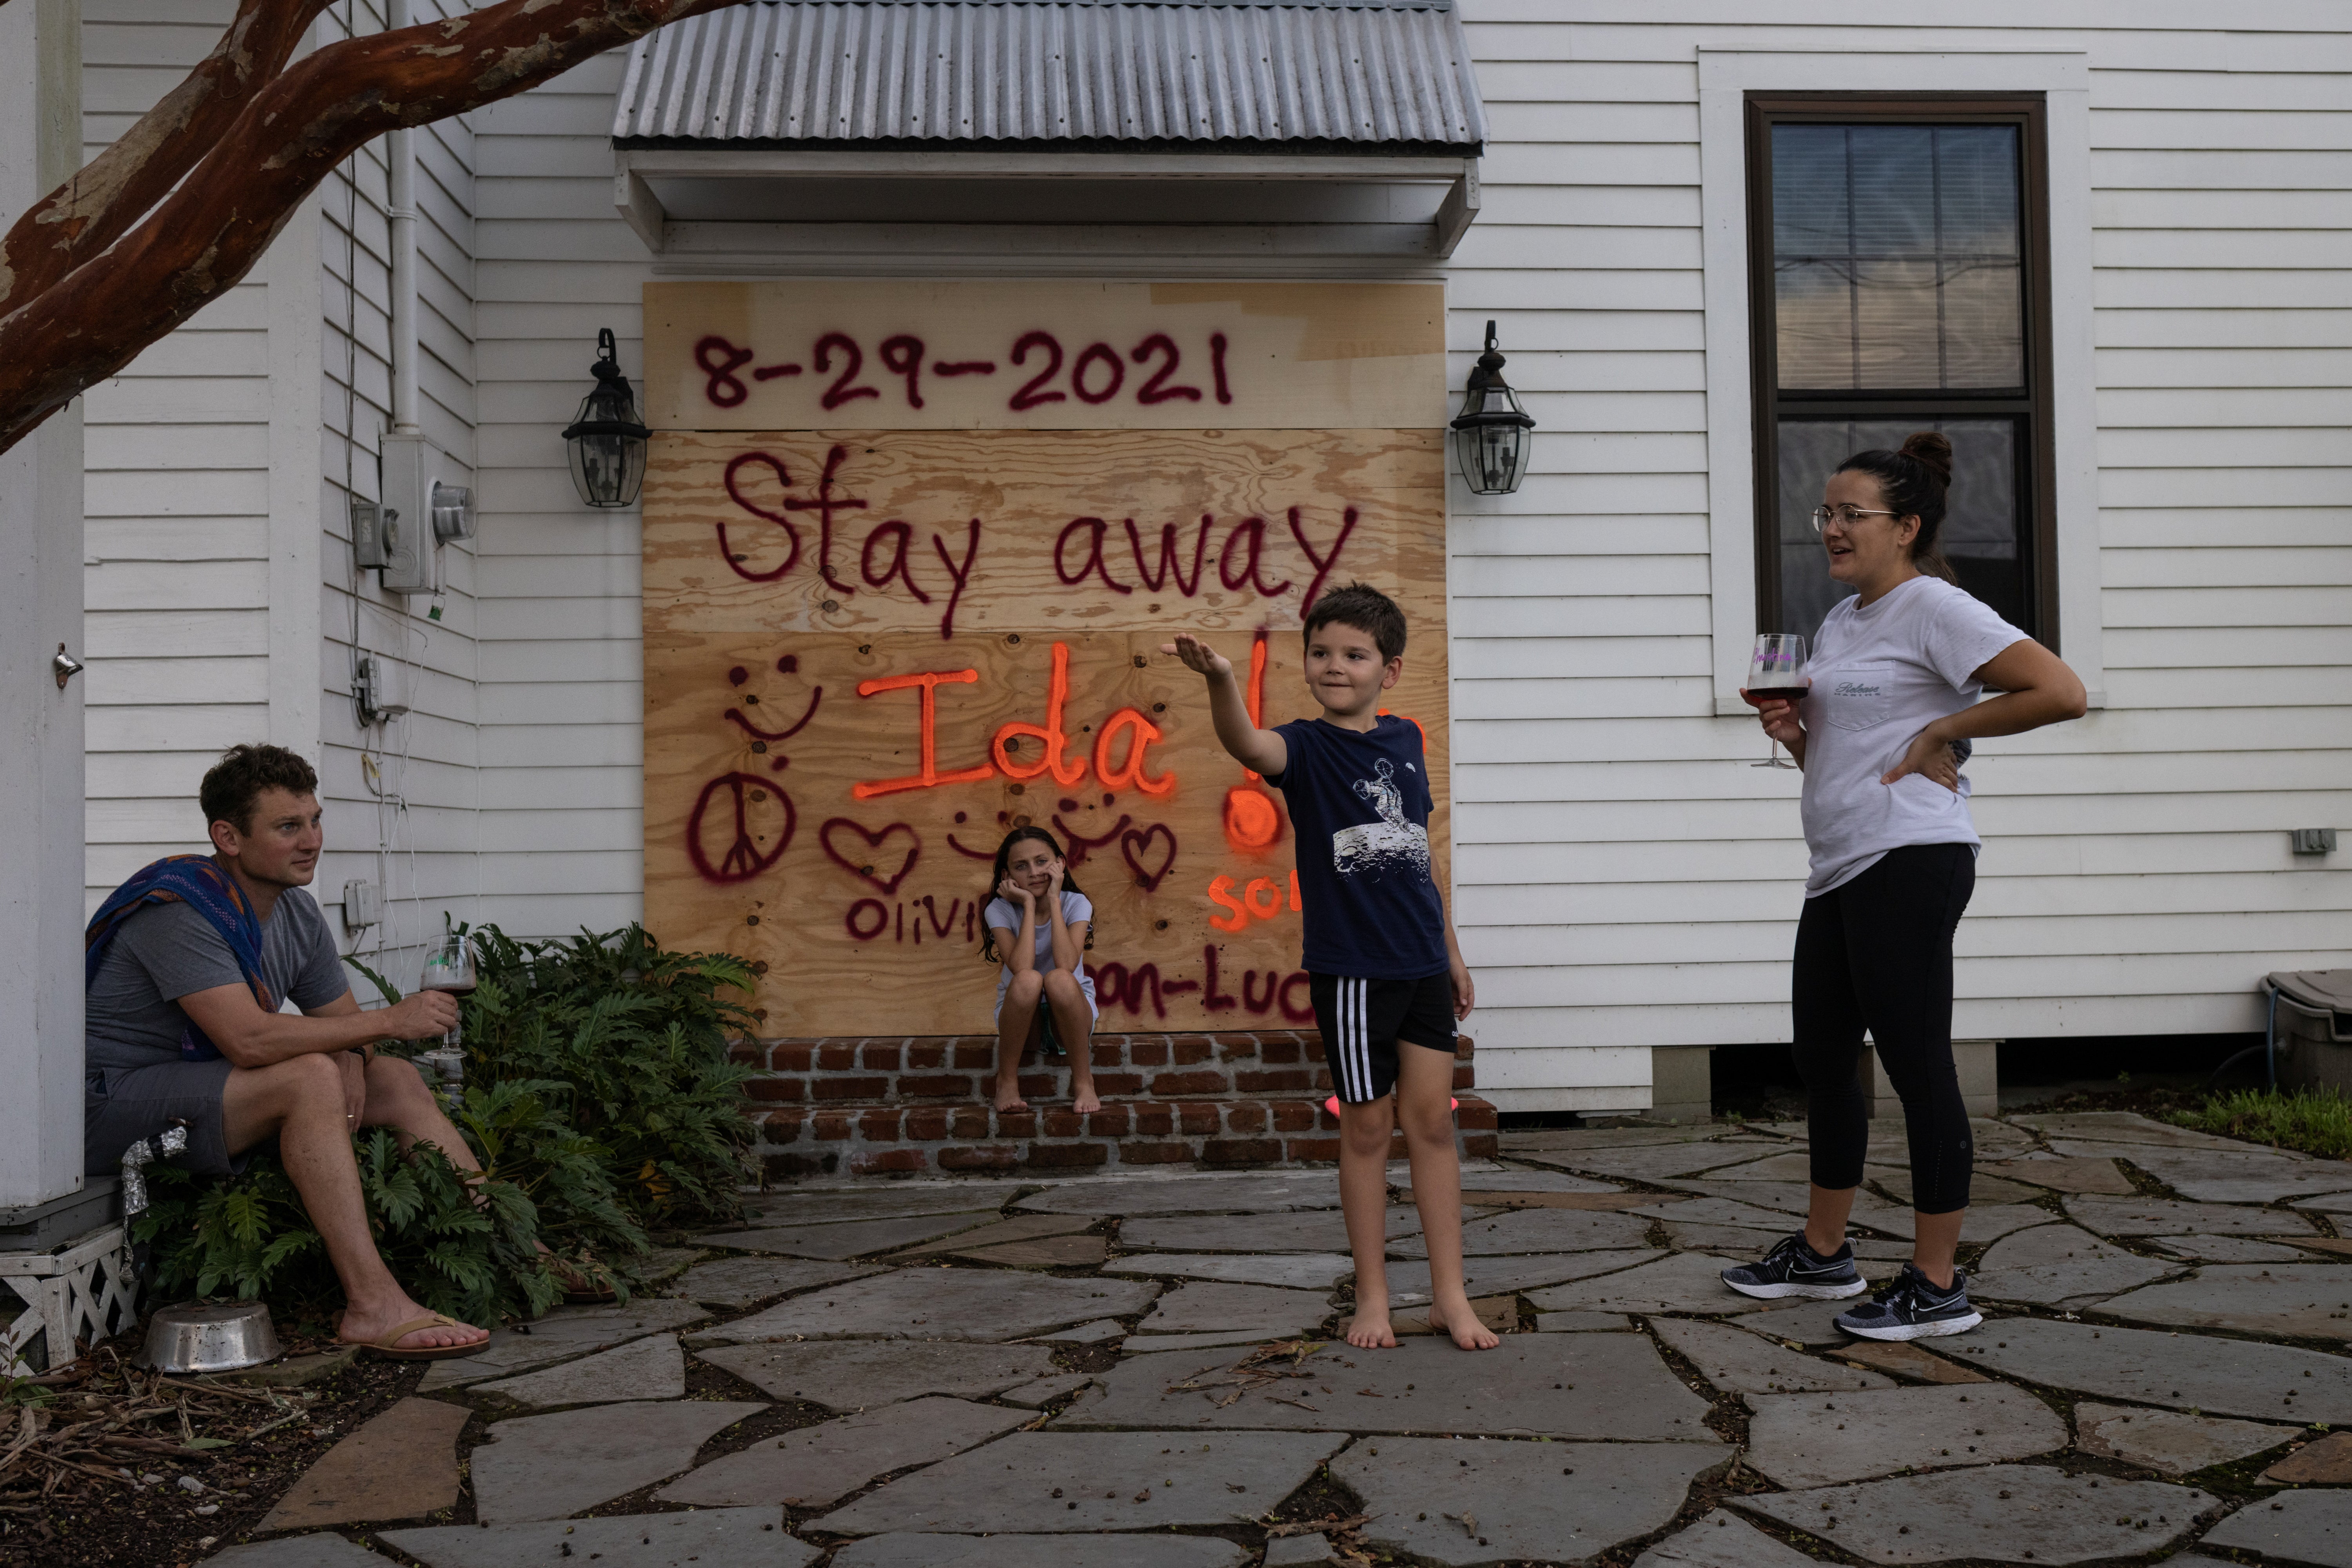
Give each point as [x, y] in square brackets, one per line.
[1932, 448]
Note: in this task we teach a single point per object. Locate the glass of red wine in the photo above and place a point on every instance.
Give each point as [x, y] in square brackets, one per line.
[449, 967]
[1775, 673]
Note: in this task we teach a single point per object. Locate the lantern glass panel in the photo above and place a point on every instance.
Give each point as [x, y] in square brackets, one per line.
[608, 466]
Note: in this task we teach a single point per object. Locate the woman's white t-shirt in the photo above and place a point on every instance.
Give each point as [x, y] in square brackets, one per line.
[1003, 915]
[1880, 675]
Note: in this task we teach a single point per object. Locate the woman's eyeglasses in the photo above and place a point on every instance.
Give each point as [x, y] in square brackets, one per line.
[1844, 515]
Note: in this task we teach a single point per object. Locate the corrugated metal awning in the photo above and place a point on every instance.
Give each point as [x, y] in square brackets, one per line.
[1387, 74]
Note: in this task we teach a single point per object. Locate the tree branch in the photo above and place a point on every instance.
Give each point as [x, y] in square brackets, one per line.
[90, 211]
[202, 238]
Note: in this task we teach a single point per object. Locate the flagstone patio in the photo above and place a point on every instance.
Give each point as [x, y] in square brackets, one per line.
[847, 1382]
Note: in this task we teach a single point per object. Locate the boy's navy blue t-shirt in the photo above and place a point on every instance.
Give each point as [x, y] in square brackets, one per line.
[1359, 804]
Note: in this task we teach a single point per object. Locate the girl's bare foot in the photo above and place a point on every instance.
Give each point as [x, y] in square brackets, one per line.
[1463, 1324]
[1086, 1101]
[1008, 1096]
[1370, 1331]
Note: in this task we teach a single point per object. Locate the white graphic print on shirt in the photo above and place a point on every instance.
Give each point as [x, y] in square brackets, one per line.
[1389, 842]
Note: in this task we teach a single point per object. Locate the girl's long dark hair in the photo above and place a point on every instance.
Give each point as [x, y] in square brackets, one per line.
[996, 879]
[1915, 481]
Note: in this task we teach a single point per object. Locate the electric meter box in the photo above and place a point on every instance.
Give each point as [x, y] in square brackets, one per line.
[425, 506]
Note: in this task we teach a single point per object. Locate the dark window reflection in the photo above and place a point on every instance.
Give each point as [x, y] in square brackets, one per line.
[1980, 528]
[1896, 256]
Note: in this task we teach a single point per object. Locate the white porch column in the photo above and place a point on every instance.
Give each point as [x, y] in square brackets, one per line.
[40, 726]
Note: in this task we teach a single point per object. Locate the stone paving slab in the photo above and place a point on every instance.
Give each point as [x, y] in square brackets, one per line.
[2287, 1300]
[905, 1550]
[321, 1550]
[1092, 1333]
[979, 1304]
[1721, 1211]
[1409, 1279]
[848, 1374]
[1681, 1282]
[1207, 1339]
[1500, 1313]
[1597, 1202]
[2085, 1174]
[1984, 1188]
[1118, 1480]
[1738, 1361]
[1540, 1230]
[1815, 1440]
[2220, 1176]
[650, 1368]
[1550, 1385]
[733, 1284]
[1738, 1241]
[1213, 1306]
[2313, 1527]
[1514, 1180]
[2120, 1127]
[1298, 1270]
[566, 1332]
[853, 1238]
[1986, 1223]
[546, 1467]
[1270, 1192]
[2229, 1250]
[805, 1205]
[1890, 1141]
[1721, 1540]
[2008, 1513]
[2061, 1266]
[1311, 1230]
[1810, 1323]
[712, 1538]
[402, 1464]
[1583, 1324]
[1461, 1503]
[1650, 1162]
[2327, 1462]
[815, 1466]
[1045, 1252]
[1554, 1139]
[1045, 1390]
[2168, 1216]
[1020, 1227]
[2180, 1371]
[2172, 1441]
[2328, 1203]
[1908, 1362]
[1790, 1165]
[1310, 1551]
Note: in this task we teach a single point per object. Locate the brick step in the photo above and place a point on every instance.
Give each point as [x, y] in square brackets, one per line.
[957, 1069]
[871, 1140]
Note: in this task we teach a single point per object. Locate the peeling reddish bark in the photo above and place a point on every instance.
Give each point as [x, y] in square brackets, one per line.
[90, 211]
[199, 240]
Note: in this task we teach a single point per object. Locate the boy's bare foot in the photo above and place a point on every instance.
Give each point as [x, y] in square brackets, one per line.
[1370, 1331]
[359, 1328]
[1463, 1323]
[1086, 1101]
[1008, 1097]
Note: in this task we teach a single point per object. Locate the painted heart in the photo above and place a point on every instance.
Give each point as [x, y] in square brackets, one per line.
[866, 859]
[1135, 847]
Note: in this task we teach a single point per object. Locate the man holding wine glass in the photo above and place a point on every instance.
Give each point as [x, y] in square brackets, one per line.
[1880, 722]
[187, 966]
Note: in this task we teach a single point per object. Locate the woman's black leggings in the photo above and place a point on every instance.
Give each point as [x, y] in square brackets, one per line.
[1876, 955]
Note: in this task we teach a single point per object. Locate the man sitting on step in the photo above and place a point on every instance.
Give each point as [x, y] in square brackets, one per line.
[186, 966]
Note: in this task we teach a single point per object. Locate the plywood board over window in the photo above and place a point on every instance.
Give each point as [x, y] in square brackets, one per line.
[911, 550]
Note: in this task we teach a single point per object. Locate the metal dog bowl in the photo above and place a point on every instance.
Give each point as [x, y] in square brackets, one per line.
[210, 1337]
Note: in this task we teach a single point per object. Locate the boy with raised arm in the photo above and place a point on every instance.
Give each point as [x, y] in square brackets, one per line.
[1385, 970]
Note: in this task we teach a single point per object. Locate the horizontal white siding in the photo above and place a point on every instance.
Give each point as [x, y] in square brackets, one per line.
[1622, 879]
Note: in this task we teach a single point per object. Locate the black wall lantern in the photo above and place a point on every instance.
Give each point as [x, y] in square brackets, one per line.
[1491, 435]
[607, 443]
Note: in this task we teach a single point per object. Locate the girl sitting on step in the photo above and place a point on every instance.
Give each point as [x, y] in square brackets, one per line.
[1038, 927]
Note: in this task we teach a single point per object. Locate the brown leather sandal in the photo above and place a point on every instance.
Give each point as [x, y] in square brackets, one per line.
[389, 1346]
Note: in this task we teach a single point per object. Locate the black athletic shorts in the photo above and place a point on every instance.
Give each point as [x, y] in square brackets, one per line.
[1362, 1020]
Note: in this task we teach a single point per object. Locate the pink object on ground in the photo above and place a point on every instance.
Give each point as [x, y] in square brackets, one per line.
[1332, 1105]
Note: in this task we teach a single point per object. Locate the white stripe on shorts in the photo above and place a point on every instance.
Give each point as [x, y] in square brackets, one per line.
[1362, 1037]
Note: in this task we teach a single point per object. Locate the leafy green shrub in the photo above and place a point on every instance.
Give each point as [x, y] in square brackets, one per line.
[636, 1038]
[2314, 1121]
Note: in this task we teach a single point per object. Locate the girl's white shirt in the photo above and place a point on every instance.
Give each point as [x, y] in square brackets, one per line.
[1005, 916]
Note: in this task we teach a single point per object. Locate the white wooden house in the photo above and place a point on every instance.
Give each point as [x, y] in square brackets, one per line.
[2161, 193]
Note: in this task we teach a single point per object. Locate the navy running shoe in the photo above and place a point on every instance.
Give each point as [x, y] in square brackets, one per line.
[1910, 1308]
[1794, 1269]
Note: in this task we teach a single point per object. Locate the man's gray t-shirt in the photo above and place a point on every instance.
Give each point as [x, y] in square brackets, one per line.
[168, 950]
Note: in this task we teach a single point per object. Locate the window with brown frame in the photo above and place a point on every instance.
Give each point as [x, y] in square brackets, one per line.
[1899, 281]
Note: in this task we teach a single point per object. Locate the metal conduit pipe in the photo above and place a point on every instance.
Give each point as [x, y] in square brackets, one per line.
[400, 209]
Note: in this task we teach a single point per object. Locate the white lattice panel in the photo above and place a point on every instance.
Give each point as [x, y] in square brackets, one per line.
[85, 1293]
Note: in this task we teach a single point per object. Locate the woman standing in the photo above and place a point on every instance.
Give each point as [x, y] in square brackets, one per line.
[1897, 673]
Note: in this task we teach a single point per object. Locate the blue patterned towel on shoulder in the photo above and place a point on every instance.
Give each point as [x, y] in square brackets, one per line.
[199, 882]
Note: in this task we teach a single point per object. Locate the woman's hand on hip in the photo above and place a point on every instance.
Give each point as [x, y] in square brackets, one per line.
[1930, 757]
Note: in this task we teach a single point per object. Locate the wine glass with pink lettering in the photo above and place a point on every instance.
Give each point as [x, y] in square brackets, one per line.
[1775, 673]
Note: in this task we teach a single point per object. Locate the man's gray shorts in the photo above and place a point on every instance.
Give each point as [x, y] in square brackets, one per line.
[122, 1105]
